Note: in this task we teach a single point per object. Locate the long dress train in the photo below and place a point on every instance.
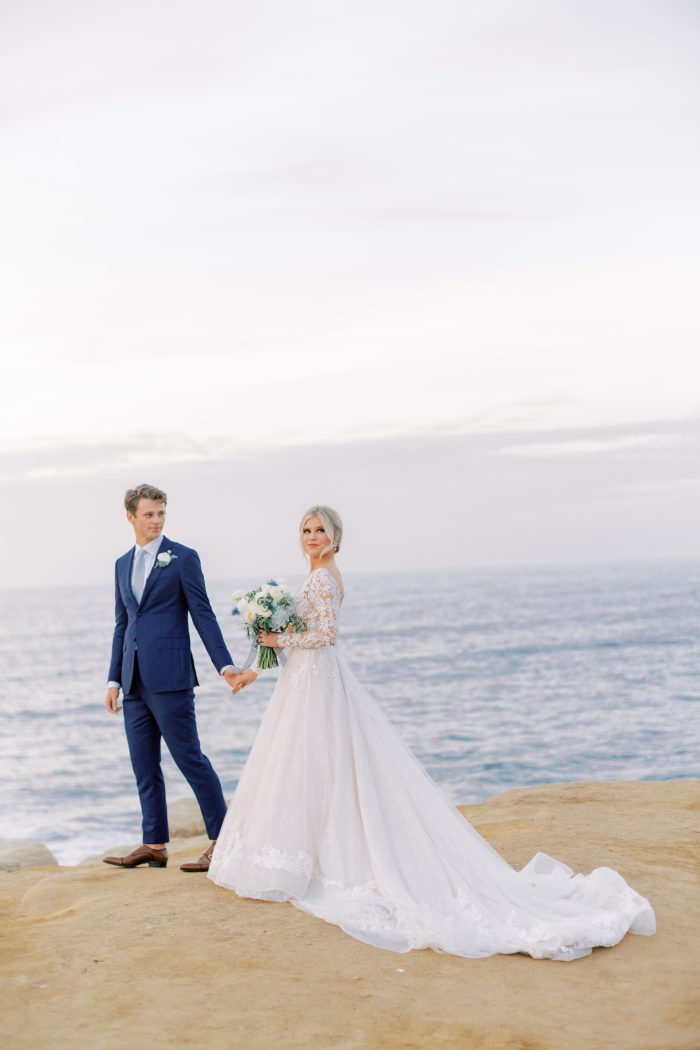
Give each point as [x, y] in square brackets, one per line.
[335, 814]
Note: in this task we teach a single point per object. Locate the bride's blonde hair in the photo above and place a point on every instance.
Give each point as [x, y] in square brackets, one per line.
[330, 519]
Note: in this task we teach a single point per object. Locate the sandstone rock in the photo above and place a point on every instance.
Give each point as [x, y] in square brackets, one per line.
[91, 953]
[18, 853]
[113, 851]
[185, 819]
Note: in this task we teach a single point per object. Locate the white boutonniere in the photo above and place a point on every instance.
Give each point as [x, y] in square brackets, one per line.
[164, 559]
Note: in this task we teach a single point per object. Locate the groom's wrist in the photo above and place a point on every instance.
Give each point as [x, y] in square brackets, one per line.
[228, 667]
[114, 685]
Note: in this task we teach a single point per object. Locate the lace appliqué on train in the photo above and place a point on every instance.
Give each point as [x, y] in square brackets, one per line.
[266, 856]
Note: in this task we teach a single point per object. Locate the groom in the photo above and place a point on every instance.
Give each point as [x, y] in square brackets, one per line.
[158, 583]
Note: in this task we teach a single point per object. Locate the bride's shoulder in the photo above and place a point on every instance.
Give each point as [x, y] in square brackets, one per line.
[319, 578]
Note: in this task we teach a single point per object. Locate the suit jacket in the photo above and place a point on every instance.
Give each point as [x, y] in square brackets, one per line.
[158, 627]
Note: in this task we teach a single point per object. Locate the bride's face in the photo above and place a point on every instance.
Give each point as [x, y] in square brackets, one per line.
[313, 536]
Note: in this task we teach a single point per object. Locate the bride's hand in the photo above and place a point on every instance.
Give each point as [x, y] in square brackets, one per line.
[241, 680]
[268, 638]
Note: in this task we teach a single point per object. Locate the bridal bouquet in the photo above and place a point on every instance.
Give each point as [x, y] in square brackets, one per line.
[269, 608]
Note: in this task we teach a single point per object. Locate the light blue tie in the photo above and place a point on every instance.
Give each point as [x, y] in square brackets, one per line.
[139, 574]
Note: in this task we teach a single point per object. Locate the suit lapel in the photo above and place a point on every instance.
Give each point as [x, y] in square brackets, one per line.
[155, 573]
[126, 571]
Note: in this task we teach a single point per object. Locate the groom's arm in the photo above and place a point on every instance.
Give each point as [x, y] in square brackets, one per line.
[203, 617]
[115, 663]
[120, 622]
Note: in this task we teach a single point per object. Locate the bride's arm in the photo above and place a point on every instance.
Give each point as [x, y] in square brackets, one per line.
[322, 630]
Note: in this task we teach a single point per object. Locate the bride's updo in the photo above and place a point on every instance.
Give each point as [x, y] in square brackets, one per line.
[331, 523]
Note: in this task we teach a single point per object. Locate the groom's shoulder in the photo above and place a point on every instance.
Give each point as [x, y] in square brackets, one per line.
[180, 550]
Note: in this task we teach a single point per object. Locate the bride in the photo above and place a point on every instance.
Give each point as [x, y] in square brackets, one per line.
[334, 814]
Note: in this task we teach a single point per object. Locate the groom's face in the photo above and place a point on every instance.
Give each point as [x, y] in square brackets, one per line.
[148, 520]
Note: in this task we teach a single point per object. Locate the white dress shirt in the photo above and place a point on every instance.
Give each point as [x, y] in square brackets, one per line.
[151, 550]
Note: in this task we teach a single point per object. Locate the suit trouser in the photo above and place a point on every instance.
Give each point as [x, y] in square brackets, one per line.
[148, 717]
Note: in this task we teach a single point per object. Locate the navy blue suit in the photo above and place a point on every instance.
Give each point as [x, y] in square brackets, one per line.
[151, 657]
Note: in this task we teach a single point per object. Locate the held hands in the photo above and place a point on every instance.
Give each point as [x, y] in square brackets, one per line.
[112, 700]
[237, 680]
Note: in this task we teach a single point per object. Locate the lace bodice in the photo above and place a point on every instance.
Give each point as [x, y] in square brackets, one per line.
[318, 604]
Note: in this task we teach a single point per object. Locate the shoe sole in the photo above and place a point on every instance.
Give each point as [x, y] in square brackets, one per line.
[129, 867]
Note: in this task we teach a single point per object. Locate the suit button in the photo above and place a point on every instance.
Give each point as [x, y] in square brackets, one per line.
[138, 613]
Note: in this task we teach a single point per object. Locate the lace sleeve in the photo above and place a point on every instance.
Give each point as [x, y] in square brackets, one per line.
[321, 621]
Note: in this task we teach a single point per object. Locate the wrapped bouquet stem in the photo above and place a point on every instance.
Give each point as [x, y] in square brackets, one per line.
[267, 608]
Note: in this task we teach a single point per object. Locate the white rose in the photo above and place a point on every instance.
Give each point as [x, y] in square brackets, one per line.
[165, 558]
[242, 606]
[237, 595]
[250, 615]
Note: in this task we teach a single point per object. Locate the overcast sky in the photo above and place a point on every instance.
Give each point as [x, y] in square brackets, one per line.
[427, 261]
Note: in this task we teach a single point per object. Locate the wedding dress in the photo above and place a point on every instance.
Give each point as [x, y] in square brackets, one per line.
[335, 814]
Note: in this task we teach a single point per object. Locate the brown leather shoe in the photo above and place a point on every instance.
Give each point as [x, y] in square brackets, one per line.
[199, 865]
[155, 858]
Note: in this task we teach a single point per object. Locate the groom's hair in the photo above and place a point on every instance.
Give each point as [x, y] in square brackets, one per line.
[132, 496]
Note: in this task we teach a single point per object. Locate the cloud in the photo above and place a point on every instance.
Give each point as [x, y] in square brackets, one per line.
[665, 487]
[410, 501]
[392, 213]
[56, 461]
[588, 446]
[476, 440]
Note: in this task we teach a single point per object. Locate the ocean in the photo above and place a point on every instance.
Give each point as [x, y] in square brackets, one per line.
[495, 678]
